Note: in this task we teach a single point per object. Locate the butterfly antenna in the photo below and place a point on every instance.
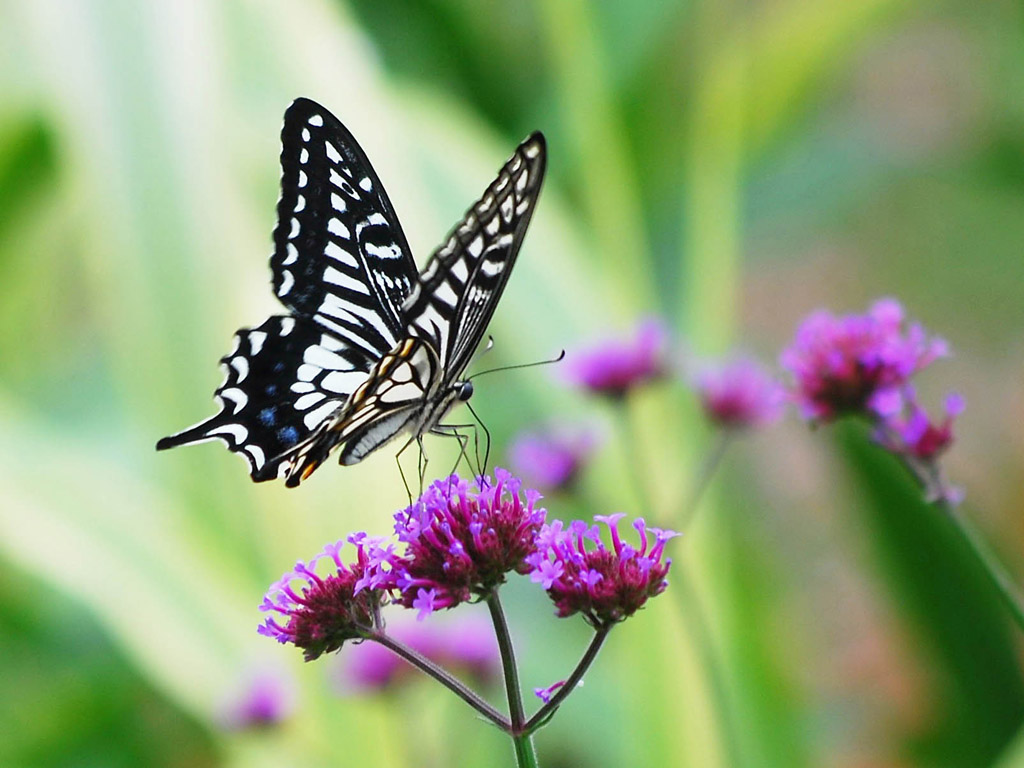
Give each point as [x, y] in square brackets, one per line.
[558, 359]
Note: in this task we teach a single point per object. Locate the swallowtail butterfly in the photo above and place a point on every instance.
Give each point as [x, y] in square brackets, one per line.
[370, 347]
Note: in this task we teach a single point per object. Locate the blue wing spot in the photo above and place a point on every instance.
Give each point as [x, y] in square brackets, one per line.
[268, 416]
[271, 390]
[288, 435]
[278, 367]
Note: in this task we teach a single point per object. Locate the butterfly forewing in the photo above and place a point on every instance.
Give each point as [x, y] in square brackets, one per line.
[463, 281]
[282, 380]
[339, 252]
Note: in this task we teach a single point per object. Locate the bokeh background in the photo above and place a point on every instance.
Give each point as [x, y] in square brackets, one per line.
[727, 166]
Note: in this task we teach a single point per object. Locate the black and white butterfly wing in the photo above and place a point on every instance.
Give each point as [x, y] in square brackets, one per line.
[281, 381]
[340, 255]
[461, 284]
[341, 264]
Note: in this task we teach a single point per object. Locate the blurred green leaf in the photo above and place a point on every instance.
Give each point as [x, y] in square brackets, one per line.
[975, 681]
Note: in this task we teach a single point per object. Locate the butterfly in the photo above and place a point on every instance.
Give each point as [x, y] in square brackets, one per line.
[370, 347]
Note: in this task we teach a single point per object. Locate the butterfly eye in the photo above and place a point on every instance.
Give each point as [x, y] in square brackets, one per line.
[465, 391]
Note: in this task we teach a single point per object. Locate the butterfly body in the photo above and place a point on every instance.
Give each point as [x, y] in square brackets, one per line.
[372, 348]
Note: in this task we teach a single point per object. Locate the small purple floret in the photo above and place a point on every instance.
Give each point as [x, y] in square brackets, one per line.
[615, 367]
[739, 394]
[546, 694]
[857, 364]
[582, 575]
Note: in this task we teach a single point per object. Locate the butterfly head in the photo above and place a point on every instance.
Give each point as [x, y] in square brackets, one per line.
[463, 390]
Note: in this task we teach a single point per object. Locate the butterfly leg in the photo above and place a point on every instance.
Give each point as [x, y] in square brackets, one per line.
[401, 472]
[487, 441]
[452, 430]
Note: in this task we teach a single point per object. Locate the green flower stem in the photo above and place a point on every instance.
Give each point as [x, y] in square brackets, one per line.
[708, 467]
[695, 619]
[545, 712]
[526, 757]
[444, 677]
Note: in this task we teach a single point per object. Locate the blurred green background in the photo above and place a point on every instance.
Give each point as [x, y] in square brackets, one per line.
[729, 166]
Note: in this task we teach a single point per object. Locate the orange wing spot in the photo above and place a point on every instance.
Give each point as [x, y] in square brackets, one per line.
[407, 347]
[310, 468]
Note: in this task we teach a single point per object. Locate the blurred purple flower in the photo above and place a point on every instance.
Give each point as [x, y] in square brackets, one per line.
[615, 367]
[914, 434]
[911, 435]
[739, 394]
[465, 643]
[857, 363]
[605, 585]
[461, 541]
[551, 459]
[319, 613]
[265, 698]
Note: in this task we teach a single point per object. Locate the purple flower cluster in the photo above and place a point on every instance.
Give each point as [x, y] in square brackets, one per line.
[265, 698]
[582, 575]
[462, 540]
[739, 394]
[319, 613]
[551, 459]
[857, 363]
[614, 368]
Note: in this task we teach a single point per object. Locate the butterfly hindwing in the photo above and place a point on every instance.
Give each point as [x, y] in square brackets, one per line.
[462, 282]
[340, 255]
[282, 380]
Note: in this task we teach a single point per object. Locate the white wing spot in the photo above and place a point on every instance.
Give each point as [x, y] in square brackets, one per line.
[259, 458]
[295, 229]
[476, 247]
[460, 270]
[337, 277]
[237, 397]
[316, 121]
[335, 251]
[315, 417]
[338, 202]
[241, 366]
[287, 282]
[303, 178]
[237, 431]
[304, 155]
[336, 227]
[383, 251]
[306, 402]
[300, 204]
[332, 152]
[305, 134]
[343, 382]
[256, 339]
[291, 254]
[287, 325]
[365, 183]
